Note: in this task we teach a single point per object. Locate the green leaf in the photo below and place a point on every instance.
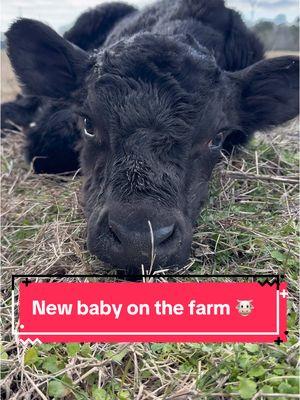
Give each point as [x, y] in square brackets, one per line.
[252, 348]
[244, 361]
[257, 371]
[247, 388]
[99, 394]
[4, 355]
[267, 389]
[157, 347]
[116, 356]
[46, 347]
[124, 395]
[223, 371]
[292, 262]
[67, 380]
[168, 348]
[57, 389]
[277, 255]
[85, 350]
[73, 349]
[31, 356]
[146, 374]
[51, 364]
[284, 387]
[278, 371]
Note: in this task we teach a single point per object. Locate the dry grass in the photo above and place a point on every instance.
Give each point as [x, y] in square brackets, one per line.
[248, 226]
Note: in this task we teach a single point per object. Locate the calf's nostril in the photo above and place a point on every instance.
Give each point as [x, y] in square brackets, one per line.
[164, 233]
[123, 234]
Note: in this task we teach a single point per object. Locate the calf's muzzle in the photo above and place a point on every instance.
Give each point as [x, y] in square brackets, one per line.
[128, 237]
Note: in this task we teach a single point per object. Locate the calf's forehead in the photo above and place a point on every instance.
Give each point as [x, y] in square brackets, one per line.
[115, 92]
[147, 111]
[176, 91]
[150, 57]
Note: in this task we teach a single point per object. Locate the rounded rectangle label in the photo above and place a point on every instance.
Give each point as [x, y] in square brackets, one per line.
[161, 312]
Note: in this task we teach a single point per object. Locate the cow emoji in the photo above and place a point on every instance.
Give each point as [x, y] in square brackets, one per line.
[245, 307]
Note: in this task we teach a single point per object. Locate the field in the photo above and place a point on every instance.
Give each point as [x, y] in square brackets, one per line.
[248, 226]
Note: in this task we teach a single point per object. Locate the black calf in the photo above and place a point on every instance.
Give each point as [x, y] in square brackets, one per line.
[171, 86]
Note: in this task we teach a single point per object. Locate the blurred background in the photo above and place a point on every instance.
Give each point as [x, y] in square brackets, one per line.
[276, 22]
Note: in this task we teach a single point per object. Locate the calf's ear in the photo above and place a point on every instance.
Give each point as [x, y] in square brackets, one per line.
[45, 63]
[269, 92]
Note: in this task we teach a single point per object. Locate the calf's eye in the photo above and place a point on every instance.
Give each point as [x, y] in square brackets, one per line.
[88, 127]
[216, 142]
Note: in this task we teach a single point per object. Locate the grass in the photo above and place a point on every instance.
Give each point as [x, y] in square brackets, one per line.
[248, 226]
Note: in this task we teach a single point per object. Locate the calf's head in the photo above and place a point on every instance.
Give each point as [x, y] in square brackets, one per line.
[155, 112]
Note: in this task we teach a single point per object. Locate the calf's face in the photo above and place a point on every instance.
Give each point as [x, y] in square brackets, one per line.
[154, 120]
[154, 113]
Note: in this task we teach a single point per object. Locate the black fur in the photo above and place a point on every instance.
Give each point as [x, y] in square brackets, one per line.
[18, 113]
[89, 32]
[93, 26]
[170, 86]
[54, 139]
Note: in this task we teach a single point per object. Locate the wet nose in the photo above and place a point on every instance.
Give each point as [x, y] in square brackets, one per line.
[124, 233]
[137, 238]
[127, 236]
